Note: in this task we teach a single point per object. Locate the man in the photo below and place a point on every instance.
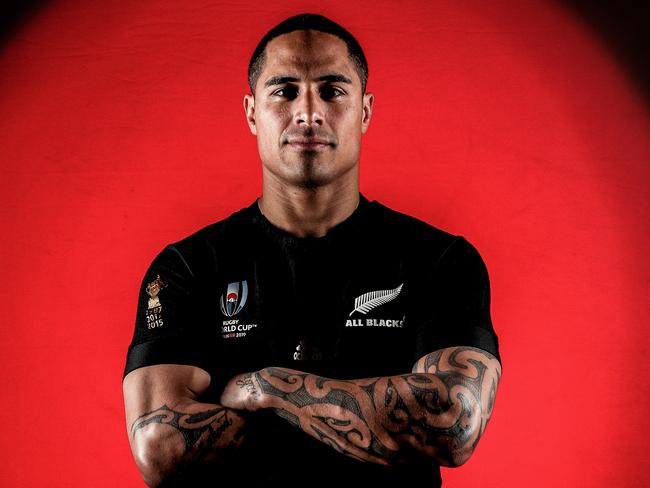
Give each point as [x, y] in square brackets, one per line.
[313, 337]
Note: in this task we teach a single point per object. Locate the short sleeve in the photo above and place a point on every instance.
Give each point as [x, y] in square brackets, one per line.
[167, 325]
[457, 310]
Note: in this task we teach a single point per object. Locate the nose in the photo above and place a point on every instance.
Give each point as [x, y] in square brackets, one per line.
[308, 109]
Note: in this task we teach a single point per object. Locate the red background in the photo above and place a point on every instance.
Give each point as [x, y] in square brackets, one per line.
[511, 123]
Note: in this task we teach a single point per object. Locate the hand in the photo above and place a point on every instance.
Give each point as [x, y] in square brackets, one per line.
[242, 392]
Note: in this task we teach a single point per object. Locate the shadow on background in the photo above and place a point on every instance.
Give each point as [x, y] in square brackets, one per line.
[14, 14]
[623, 25]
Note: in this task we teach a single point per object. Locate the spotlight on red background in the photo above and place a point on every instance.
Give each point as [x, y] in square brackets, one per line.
[511, 123]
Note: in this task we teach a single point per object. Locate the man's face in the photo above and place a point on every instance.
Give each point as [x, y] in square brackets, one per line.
[308, 112]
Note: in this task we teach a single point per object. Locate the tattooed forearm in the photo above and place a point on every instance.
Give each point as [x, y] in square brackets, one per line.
[201, 430]
[439, 411]
[175, 440]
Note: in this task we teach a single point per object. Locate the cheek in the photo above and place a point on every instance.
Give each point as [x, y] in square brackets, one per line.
[351, 117]
[349, 131]
[271, 126]
[265, 136]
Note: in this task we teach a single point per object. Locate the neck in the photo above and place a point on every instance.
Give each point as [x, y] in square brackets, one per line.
[308, 212]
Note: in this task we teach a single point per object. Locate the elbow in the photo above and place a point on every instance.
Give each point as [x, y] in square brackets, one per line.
[455, 458]
[449, 455]
[449, 452]
[458, 449]
[458, 446]
[157, 457]
[463, 439]
[152, 471]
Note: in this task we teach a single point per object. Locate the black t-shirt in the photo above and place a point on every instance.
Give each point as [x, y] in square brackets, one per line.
[371, 297]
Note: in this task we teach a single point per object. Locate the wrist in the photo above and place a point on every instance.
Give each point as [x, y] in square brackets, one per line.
[258, 397]
[249, 385]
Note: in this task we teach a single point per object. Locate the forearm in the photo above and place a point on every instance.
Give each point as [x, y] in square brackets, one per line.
[167, 441]
[437, 413]
[384, 420]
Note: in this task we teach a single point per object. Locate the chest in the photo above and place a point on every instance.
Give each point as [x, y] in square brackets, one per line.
[343, 314]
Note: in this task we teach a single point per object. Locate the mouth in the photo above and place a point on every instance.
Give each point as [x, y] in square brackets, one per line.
[309, 144]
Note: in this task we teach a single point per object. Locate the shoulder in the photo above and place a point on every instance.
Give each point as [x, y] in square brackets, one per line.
[196, 250]
[231, 226]
[413, 235]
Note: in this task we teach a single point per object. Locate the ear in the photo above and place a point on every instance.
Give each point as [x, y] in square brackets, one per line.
[368, 100]
[249, 109]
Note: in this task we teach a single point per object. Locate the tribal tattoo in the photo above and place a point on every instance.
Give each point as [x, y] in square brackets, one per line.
[203, 432]
[439, 411]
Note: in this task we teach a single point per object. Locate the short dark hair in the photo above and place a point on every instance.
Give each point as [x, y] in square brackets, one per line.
[308, 22]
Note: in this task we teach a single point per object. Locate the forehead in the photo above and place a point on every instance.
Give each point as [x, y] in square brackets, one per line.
[306, 53]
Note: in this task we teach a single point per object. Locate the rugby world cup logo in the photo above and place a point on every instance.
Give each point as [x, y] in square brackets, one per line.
[234, 299]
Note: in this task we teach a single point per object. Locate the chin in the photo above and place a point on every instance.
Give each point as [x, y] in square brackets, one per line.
[310, 181]
[309, 174]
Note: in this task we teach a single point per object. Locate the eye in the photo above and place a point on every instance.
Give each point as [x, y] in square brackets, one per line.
[287, 92]
[331, 92]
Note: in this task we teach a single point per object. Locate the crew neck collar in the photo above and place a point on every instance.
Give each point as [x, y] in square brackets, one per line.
[288, 239]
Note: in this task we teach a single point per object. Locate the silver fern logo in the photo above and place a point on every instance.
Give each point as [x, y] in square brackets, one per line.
[366, 302]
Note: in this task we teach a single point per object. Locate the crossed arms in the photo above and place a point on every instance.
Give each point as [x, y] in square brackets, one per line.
[438, 411]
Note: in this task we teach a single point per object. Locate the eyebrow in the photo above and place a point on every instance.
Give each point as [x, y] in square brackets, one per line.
[332, 78]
